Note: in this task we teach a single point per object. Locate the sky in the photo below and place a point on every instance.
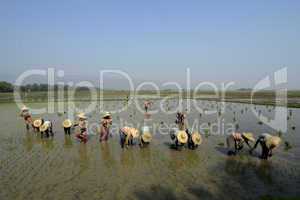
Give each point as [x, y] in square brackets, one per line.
[157, 40]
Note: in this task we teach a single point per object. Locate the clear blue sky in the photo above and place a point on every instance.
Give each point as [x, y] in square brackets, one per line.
[219, 41]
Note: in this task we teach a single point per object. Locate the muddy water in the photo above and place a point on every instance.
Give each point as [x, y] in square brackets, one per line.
[63, 168]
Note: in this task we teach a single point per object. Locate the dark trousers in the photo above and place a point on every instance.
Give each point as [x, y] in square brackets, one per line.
[48, 132]
[67, 130]
[191, 144]
[123, 139]
[265, 152]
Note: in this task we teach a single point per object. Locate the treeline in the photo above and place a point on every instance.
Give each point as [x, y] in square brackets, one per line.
[35, 87]
[6, 87]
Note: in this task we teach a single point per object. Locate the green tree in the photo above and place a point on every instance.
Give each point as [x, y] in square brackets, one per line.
[6, 87]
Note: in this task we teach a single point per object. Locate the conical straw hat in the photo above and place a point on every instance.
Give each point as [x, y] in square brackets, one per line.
[182, 137]
[81, 116]
[37, 123]
[147, 137]
[67, 123]
[249, 136]
[273, 142]
[197, 139]
[106, 114]
[44, 127]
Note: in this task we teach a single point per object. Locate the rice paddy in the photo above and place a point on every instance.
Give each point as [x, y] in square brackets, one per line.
[62, 168]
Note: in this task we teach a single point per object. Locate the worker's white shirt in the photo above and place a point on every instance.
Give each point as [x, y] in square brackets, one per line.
[48, 123]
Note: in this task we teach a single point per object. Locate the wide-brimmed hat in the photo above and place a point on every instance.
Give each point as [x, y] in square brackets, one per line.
[44, 127]
[37, 123]
[24, 108]
[249, 136]
[196, 138]
[106, 114]
[147, 137]
[134, 132]
[81, 116]
[67, 123]
[182, 137]
[273, 141]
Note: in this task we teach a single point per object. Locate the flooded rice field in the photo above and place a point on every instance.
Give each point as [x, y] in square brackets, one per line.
[62, 168]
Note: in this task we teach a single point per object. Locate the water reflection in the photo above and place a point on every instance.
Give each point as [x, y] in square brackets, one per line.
[127, 158]
[145, 155]
[192, 159]
[235, 166]
[32, 139]
[83, 157]
[106, 155]
[28, 142]
[68, 142]
[176, 161]
[48, 144]
[156, 192]
[264, 171]
[242, 167]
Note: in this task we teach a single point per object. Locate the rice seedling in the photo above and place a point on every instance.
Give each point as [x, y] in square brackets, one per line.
[287, 146]
[206, 133]
[237, 126]
[279, 133]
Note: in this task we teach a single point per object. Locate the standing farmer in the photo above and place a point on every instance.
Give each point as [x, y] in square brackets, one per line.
[147, 105]
[106, 122]
[181, 121]
[82, 135]
[27, 116]
[67, 124]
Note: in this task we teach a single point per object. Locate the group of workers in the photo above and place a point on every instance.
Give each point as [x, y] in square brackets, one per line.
[235, 143]
[181, 136]
[127, 134]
